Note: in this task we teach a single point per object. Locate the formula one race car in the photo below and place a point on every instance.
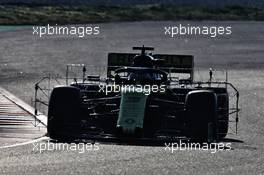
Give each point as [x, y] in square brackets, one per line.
[143, 96]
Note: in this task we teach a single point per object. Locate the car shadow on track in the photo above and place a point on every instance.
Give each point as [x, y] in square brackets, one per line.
[149, 142]
[231, 140]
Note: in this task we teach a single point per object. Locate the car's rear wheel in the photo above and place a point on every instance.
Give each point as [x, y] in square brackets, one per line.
[64, 109]
[223, 114]
[201, 111]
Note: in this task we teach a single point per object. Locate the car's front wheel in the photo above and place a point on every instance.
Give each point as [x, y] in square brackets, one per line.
[64, 108]
[201, 108]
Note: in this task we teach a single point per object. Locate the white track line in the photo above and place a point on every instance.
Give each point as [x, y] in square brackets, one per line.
[24, 106]
[25, 143]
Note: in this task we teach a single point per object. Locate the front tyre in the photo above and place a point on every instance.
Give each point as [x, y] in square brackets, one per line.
[201, 112]
[64, 108]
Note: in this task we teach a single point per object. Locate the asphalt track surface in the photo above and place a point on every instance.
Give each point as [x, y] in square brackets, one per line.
[20, 149]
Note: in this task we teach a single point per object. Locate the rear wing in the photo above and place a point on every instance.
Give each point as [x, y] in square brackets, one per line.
[170, 63]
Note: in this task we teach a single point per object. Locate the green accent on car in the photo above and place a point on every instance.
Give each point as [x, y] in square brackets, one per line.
[132, 111]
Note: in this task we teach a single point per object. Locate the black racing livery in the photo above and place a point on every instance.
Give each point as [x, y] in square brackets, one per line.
[147, 97]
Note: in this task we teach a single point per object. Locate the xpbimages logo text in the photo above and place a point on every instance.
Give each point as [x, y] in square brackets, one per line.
[74, 147]
[184, 146]
[76, 31]
[146, 89]
[188, 29]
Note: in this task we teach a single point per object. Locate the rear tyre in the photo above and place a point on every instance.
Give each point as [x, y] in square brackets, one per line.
[201, 110]
[64, 108]
[223, 115]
